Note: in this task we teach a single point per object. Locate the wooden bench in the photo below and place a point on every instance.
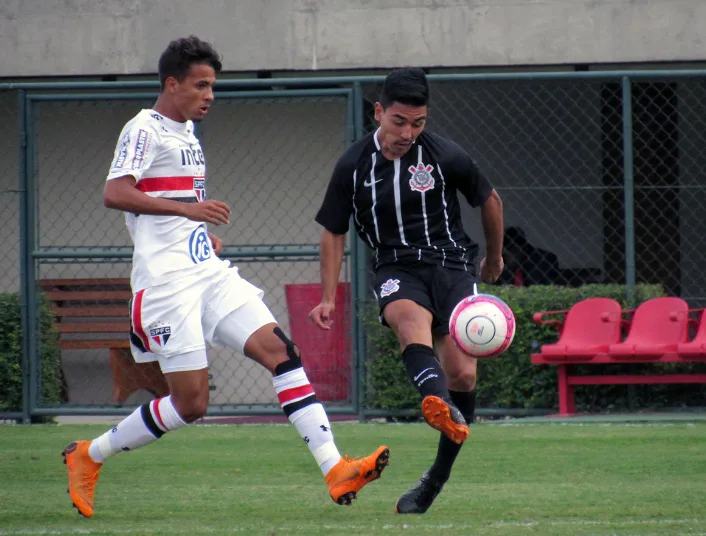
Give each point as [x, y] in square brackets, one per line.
[591, 333]
[94, 314]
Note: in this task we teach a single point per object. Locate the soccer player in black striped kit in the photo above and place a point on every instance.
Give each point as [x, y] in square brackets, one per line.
[400, 184]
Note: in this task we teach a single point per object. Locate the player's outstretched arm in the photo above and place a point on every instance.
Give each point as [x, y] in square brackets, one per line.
[331, 254]
[121, 194]
[492, 217]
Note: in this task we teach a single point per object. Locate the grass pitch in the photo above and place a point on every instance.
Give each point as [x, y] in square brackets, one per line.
[527, 479]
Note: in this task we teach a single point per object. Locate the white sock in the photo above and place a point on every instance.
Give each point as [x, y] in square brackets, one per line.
[143, 426]
[297, 398]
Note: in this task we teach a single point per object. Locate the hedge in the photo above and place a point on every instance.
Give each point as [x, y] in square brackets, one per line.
[512, 381]
[11, 355]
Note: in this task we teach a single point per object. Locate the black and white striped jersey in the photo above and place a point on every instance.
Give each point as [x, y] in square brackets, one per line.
[406, 210]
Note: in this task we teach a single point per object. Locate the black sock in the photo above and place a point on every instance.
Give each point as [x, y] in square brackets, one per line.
[448, 450]
[425, 371]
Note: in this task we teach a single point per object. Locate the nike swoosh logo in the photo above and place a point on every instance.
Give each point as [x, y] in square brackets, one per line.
[368, 183]
[422, 372]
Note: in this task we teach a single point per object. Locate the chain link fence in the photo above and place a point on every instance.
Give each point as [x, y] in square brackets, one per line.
[11, 378]
[269, 159]
[554, 150]
[10, 195]
[602, 182]
[553, 147]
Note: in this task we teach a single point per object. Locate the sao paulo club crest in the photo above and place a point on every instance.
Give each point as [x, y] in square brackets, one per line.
[200, 189]
[422, 179]
[389, 287]
[160, 333]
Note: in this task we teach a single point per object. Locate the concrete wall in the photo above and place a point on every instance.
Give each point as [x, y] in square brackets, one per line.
[127, 36]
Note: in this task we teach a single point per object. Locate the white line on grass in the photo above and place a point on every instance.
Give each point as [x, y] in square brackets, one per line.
[597, 522]
[345, 526]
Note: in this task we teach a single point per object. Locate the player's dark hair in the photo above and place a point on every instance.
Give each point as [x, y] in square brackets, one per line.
[406, 86]
[181, 54]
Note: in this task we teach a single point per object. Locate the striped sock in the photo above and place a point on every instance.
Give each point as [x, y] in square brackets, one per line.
[297, 398]
[145, 425]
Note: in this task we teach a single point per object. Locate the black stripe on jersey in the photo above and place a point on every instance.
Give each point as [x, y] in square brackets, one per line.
[299, 404]
[149, 421]
[183, 199]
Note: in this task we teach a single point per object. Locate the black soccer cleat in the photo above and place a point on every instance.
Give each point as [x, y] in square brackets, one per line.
[418, 499]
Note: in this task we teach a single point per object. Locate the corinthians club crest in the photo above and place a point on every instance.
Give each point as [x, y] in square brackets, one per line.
[422, 179]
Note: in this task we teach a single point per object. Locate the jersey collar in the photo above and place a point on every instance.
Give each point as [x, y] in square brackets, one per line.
[175, 125]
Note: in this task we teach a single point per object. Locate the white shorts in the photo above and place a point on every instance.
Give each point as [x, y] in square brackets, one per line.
[180, 317]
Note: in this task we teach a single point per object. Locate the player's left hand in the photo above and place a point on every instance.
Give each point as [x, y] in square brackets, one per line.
[490, 270]
[217, 244]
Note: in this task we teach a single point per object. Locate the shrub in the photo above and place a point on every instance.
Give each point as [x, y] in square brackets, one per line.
[11, 355]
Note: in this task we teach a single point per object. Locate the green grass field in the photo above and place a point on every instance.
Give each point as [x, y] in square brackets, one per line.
[531, 479]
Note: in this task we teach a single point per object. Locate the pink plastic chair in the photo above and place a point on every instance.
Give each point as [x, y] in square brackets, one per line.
[589, 328]
[658, 327]
[697, 346]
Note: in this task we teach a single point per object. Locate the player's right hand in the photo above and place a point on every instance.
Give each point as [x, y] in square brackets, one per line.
[322, 315]
[490, 269]
[210, 211]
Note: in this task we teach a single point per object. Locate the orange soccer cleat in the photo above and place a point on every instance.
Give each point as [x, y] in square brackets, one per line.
[446, 418]
[83, 475]
[348, 477]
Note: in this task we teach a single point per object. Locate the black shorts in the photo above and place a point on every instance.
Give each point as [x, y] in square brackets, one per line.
[435, 288]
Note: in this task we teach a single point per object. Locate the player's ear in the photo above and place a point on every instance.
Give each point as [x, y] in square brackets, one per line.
[170, 84]
[378, 111]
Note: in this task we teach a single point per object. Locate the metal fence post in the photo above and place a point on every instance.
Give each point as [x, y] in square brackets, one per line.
[358, 254]
[629, 190]
[24, 253]
[356, 356]
[29, 268]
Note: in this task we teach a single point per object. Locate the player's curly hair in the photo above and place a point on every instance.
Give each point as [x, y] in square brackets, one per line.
[182, 53]
[406, 86]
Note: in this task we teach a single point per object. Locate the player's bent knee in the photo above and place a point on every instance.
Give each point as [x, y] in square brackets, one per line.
[410, 322]
[191, 408]
[189, 394]
[293, 360]
[461, 379]
[271, 348]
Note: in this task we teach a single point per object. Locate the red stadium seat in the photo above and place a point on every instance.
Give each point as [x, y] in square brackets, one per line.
[590, 327]
[659, 333]
[697, 346]
[658, 326]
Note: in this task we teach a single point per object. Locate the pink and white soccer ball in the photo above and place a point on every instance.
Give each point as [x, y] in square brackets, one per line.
[482, 325]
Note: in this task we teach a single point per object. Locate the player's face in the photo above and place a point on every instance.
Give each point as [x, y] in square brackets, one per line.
[400, 125]
[194, 95]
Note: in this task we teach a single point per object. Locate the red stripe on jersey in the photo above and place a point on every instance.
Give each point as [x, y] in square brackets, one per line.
[289, 395]
[166, 184]
[155, 410]
[137, 319]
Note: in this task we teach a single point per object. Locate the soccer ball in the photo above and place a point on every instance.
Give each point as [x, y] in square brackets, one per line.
[482, 325]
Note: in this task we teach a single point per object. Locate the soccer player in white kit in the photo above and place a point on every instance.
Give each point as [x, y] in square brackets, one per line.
[184, 296]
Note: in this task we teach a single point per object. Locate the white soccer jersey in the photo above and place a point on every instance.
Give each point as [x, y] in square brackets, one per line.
[166, 159]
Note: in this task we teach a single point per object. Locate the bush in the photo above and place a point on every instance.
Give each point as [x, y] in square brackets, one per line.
[512, 381]
[11, 355]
